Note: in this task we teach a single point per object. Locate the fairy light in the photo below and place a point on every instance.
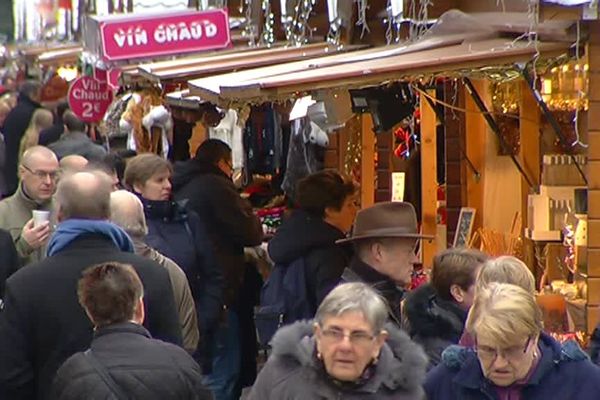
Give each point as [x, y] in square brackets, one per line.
[249, 25]
[299, 29]
[267, 37]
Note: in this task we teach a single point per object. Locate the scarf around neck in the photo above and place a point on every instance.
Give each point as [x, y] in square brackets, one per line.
[71, 229]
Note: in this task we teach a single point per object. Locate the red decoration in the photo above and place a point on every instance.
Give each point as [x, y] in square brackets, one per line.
[89, 99]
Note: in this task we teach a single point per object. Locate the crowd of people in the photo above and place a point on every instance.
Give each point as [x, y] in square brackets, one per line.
[124, 276]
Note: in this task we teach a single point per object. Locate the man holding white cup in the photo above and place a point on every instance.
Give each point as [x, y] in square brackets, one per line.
[26, 214]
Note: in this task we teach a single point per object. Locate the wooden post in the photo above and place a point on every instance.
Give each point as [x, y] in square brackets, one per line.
[367, 173]
[429, 182]
[475, 144]
[529, 151]
[593, 174]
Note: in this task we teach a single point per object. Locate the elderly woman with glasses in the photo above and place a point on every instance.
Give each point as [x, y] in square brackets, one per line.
[345, 354]
[513, 359]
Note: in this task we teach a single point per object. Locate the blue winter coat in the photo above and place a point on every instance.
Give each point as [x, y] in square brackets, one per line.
[564, 372]
[180, 235]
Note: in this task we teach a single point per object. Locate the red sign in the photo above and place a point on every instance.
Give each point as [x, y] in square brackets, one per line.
[89, 98]
[159, 35]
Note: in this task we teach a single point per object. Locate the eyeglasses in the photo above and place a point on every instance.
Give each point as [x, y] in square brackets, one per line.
[358, 338]
[514, 353]
[42, 174]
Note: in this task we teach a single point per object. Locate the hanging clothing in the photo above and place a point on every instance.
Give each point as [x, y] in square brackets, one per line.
[231, 133]
[263, 141]
[304, 157]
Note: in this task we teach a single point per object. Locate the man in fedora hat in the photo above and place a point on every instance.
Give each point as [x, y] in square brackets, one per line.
[385, 238]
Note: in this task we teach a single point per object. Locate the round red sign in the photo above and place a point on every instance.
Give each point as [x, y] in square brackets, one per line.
[89, 98]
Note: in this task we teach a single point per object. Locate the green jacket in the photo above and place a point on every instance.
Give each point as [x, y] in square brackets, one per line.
[15, 211]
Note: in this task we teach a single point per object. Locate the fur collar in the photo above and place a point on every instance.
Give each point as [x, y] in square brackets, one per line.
[402, 363]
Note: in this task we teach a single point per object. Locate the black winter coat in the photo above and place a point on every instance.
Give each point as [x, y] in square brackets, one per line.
[432, 322]
[358, 271]
[42, 323]
[142, 367]
[228, 218]
[9, 259]
[180, 235]
[303, 235]
[15, 126]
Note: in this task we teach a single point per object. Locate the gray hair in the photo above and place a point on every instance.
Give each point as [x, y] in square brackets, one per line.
[355, 297]
[127, 211]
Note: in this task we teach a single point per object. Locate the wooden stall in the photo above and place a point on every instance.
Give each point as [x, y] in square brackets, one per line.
[434, 57]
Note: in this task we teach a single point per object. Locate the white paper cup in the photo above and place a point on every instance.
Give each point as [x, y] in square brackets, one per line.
[39, 217]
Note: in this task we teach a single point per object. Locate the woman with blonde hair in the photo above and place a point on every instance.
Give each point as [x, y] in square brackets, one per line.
[503, 269]
[506, 269]
[40, 120]
[513, 358]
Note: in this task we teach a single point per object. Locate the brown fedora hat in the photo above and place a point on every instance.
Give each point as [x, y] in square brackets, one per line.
[386, 220]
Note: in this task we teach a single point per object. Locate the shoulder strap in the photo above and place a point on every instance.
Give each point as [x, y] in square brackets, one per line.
[103, 372]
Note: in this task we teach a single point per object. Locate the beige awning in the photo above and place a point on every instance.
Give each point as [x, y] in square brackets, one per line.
[368, 67]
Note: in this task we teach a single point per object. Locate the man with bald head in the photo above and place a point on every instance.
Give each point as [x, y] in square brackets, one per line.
[127, 211]
[42, 323]
[38, 171]
[73, 163]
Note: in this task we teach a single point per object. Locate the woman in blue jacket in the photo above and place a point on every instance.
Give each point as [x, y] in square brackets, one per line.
[179, 234]
[512, 358]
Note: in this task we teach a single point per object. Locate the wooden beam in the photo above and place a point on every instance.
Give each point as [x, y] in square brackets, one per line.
[475, 141]
[529, 151]
[429, 182]
[593, 151]
[367, 174]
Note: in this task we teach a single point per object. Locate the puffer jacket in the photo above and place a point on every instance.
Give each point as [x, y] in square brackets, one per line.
[434, 323]
[294, 373]
[144, 368]
[563, 372]
[302, 235]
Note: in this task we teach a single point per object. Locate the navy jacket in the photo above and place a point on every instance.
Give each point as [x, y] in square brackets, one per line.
[180, 235]
[564, 372]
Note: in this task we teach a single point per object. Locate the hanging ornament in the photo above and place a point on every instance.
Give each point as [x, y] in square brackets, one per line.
[335, 22]
[362, 5]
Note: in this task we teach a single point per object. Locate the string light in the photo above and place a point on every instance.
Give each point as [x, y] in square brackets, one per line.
[249, 25]
[298, 28]
[268, 35]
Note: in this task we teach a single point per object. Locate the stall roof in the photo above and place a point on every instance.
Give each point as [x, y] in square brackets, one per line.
[60, 56]
[195, 67]
[183, 99]
[370, 67]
